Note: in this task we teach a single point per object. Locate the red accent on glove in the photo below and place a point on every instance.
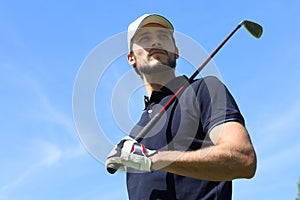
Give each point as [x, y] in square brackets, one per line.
[144, 149]
[132, 149]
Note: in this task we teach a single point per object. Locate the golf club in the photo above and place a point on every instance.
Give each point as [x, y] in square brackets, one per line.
[253, 28]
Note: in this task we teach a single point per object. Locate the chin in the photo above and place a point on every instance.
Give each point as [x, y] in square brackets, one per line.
[156, 69]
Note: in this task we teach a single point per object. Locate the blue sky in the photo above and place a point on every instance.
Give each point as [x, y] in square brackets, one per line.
[43, 45]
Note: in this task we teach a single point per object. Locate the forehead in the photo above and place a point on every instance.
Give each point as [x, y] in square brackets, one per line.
[153, 27]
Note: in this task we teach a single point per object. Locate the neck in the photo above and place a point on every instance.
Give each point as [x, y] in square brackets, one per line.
[158, 80]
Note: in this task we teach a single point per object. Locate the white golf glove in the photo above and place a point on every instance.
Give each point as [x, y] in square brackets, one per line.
[129, 153]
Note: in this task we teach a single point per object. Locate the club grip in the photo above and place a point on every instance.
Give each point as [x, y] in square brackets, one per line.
[112, 168]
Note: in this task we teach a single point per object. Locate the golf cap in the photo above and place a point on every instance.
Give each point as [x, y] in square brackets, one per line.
[146, 19]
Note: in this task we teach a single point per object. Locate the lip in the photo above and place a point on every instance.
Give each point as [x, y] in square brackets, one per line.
[157, 51]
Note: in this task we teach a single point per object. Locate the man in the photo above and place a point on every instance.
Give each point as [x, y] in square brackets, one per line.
[199, 145]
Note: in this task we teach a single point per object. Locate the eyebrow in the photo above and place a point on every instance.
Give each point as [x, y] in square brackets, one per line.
[142, 34]
[164, 31]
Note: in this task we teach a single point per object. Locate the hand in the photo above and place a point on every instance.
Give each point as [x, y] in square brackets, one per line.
[129, 153]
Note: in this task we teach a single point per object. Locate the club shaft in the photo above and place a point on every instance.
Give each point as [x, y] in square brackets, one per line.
[154, 120]
[214, 52]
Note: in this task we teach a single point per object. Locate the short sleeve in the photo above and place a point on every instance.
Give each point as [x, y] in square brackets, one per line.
[216, 104]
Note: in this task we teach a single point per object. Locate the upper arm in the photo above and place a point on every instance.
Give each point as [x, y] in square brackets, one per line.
[233, 139]
[230, 132]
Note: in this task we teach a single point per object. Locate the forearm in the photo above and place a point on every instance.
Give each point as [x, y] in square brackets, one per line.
[210, 163]
[232, 156]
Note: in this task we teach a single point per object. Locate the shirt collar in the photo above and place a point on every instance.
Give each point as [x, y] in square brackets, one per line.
[169, 89]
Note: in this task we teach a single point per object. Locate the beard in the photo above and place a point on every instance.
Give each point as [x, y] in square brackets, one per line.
[156, 64]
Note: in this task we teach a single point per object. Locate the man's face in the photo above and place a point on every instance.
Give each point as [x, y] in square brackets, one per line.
[153, 50]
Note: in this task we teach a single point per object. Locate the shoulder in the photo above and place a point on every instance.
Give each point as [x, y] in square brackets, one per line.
[207, 80]
[209, 83]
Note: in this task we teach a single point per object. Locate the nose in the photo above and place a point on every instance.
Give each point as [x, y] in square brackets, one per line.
[156, 42]
[156, 45]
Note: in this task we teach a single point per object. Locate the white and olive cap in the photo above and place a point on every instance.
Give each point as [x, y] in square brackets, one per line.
[142, 21]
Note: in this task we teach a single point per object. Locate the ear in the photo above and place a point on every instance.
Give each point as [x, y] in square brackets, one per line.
[177, 53]
[132, 62]
[131, 59]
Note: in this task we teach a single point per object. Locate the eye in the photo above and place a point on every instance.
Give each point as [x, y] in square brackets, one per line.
[164, 36]
[144, 38]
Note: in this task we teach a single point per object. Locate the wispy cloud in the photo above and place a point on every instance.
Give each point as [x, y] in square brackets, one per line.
[47, 155]
[39, 151]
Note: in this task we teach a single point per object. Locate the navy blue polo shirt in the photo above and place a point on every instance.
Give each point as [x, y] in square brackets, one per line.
[185, 126]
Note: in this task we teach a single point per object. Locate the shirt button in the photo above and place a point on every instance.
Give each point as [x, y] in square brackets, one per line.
[149, 111]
